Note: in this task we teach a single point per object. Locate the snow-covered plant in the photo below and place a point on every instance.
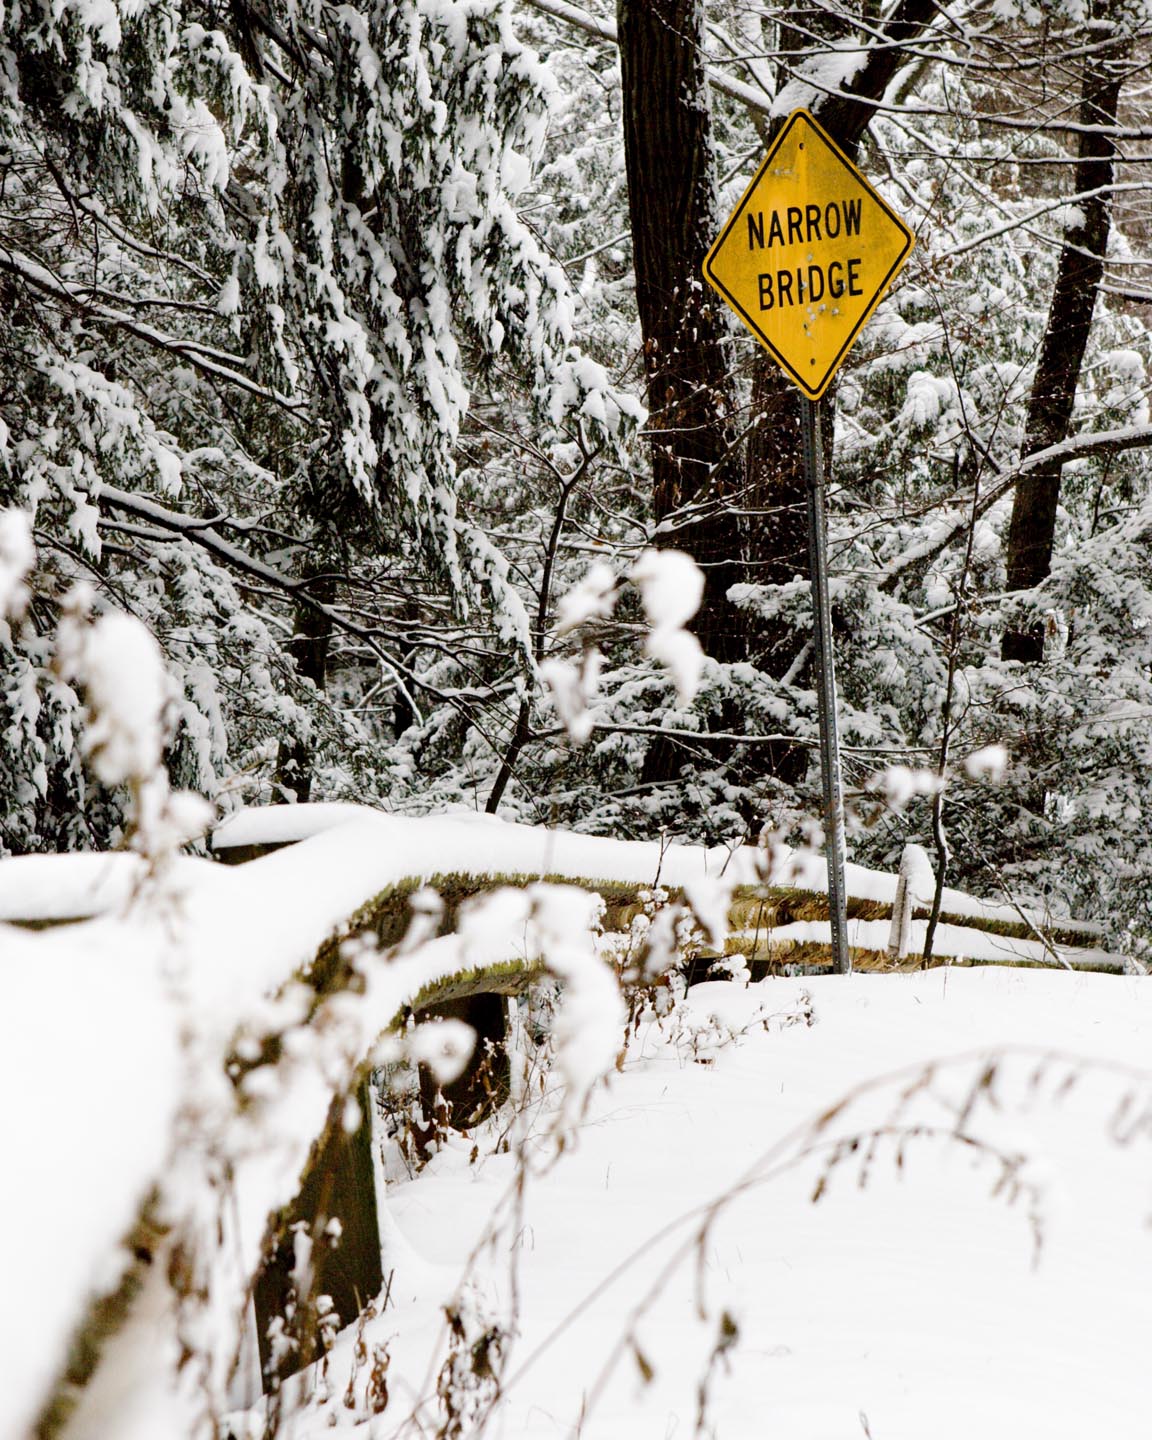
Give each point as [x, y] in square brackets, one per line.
[558, 926]
[468, 1386]
[17, 556]
[117, 665]
[670, 585]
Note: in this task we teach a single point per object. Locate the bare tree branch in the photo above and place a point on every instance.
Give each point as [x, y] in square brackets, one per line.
[1104, 442]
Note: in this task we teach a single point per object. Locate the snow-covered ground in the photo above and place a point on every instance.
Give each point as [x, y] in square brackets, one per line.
[996, 1284]
[918, 1303]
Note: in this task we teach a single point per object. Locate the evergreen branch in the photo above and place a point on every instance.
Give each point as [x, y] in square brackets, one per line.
[191, 528]
[215, 363]
[99, 216]
[720, 737]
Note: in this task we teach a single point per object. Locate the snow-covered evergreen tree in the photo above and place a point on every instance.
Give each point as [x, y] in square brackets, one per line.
[254, 266]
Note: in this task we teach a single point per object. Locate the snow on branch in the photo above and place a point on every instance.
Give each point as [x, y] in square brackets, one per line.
[209, 360]
[1103, 442]
[755, 100]
[208, 538]
[17, 556]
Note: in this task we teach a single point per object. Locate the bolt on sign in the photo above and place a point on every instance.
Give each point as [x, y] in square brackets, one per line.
[808, 253]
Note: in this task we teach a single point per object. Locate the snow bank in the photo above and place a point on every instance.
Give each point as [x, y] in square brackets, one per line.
[921, 1296]
[90, 1070]
[53, 888]
[116, 1031]
[119, 1042]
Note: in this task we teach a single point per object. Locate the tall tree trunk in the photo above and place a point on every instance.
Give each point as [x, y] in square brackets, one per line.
[774, 475]
[311, 636]
[1081, 268]
[687, 353]
[751, 521]
[774, 486]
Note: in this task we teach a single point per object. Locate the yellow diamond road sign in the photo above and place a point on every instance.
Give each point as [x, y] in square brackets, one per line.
[808, 253]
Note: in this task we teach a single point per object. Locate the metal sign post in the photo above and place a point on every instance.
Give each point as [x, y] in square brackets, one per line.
[803, 260]
[826, 686]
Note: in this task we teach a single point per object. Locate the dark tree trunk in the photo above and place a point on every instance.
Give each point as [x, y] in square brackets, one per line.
[687, 359]
[774, 485]
[774, 475]
[1081, 268]
[752, 507]
[311, 636]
